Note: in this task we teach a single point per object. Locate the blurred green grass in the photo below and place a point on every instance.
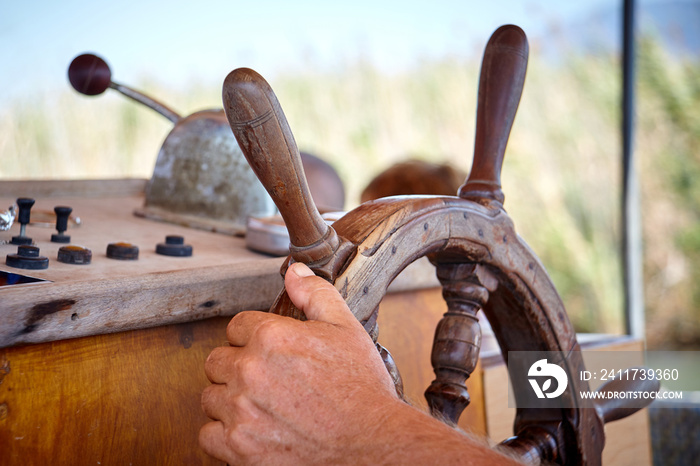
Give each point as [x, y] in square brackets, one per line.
[561, 175]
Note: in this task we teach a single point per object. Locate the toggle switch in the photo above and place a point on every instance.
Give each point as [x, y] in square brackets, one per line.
[25, 206]
[62, 214]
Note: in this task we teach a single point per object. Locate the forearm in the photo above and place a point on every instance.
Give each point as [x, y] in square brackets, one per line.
[406, 435]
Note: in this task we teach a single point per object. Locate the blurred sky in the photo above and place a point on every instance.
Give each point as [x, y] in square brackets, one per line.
[179, 41]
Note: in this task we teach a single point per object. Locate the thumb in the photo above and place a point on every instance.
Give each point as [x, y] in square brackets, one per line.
[316, 297]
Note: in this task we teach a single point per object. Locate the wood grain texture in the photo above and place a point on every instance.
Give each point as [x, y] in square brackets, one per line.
[127, 398]
[500, 85]
[111, 219]
[190, 221]
[69, 310]
[221, 278]
[133, 397]
[127, 187]
[263, 134]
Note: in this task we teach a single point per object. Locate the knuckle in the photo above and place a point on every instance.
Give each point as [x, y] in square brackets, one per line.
[238, 318]
[237, 321]
[215, 355]
[236, 441]
[207, 396]
[238, 437]
[207, 437]
[244, 367]
[215, 362]
[269, 330]
[249, 371]
[242, 404]
[252, 375]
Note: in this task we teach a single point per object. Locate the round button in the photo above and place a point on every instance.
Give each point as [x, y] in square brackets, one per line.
[174, 246]
[27, 257]
[77, 255]
[123, 251]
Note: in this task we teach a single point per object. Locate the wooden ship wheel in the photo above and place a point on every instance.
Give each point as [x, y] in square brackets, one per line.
[480, 261]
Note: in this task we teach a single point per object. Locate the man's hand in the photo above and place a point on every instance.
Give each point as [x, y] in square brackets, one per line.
[295, 390]
[316, 392]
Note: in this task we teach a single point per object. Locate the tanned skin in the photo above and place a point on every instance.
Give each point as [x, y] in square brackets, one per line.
[316, 392]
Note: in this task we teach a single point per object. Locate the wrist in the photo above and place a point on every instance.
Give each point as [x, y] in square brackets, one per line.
[403, 434]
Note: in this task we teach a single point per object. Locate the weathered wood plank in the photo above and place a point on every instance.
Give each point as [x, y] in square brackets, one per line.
[68, 310]
[70, 188]
[221, 278]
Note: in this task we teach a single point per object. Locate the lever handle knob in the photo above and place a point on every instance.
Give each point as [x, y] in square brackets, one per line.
[89, 74]
[266, 140]
[500, 87]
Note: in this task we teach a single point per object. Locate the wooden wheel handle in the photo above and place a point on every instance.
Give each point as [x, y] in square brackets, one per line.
[481, 262]
[266, 140]
[500, 86]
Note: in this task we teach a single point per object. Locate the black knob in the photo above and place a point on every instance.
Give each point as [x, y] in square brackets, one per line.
[173, 239]
[62, 214]
[25, 206]
[27, 257]
[122, 251]
[89, 74]
[28, 251]
[174, 246]
[74, 255]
